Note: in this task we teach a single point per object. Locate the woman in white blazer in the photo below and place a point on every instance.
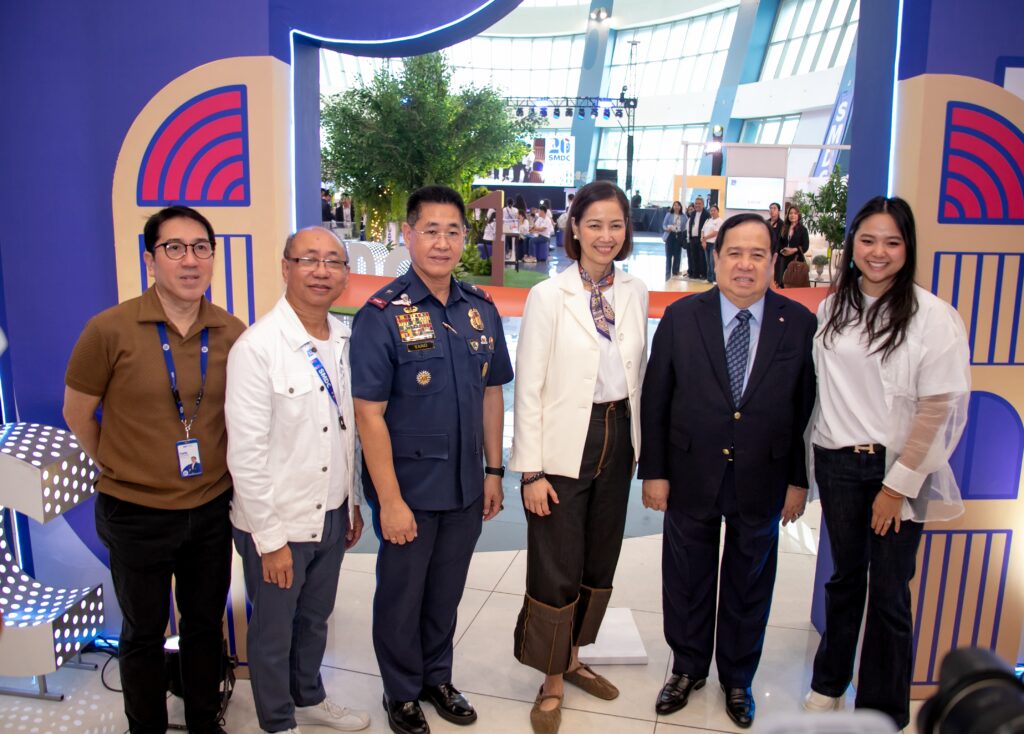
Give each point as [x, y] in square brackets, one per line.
[579, 367]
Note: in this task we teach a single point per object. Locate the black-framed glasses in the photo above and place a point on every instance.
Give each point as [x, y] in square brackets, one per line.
[332, 265]
[176, 249]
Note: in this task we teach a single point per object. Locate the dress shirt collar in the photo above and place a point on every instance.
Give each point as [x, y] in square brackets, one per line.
[729, 310]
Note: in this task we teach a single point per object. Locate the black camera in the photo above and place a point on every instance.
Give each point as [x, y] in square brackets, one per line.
[978, 694]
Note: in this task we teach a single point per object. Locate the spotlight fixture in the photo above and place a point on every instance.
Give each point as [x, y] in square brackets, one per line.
[519, 111]
[593, 112]
[557, 112]
[599, 14]
[568, 111]
[607, 113]
[580, 112]
[543, 111]
[618, 112]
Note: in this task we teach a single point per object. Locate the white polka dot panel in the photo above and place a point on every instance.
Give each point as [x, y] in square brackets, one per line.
[43, 472]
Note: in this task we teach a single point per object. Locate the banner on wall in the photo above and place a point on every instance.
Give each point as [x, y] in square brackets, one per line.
[549, 162]
[836, 130]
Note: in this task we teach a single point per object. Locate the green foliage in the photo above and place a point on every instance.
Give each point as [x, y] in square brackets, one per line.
[821, 260]
[471, 263]
[824, 212]
[387, 138]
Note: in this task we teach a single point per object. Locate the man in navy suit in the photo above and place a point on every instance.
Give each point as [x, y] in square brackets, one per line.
[728, 392]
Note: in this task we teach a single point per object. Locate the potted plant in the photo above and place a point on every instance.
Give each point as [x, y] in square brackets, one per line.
[824, 212]
[819, 262]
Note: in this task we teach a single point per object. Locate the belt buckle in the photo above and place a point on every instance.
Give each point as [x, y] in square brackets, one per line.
[867, 448]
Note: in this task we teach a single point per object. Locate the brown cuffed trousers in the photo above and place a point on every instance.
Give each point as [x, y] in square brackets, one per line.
[572, 553]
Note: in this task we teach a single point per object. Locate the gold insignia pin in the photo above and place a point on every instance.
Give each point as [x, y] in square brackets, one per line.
[423, 377]
[410, 309]
[483, 370]
[475, 320]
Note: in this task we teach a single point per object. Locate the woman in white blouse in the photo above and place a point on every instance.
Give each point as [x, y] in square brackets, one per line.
[579, 366]
[893, 385]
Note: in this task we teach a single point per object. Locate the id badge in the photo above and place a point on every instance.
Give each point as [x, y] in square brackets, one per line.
[189, 461]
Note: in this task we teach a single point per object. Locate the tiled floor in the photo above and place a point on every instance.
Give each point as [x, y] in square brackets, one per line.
[500, 687]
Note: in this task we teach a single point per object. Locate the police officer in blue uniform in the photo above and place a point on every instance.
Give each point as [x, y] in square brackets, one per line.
[428, 363]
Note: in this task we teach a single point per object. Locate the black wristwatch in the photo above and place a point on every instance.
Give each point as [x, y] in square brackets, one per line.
[498, 471]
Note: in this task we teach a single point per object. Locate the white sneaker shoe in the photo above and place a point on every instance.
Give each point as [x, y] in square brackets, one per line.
[815, 701]
[328, 713]
[293, 730]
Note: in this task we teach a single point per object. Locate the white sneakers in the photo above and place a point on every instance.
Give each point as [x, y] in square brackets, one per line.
[328, 713]
[815, 701]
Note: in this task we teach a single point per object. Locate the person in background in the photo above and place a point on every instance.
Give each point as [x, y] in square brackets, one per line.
[775, 225]
[672, 234]
[793, 242]
[707, 237]
[893, 386]
[158, 519]
[583, 341]
[696, 260]
[541, 229]
[326, 213]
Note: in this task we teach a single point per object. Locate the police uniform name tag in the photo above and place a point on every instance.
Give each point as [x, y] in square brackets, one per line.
[414, 327]
[189, 461]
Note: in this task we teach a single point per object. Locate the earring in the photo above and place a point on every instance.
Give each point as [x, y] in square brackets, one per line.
[851, 264]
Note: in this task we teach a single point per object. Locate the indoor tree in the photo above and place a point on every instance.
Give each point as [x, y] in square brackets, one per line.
[406, 129]
[824, 211]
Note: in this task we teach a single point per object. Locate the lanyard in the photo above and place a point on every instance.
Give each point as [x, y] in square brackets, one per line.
[325, 378]
[204, 341]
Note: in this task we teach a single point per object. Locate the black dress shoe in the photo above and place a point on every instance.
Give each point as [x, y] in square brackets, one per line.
[450, 704]
[739, 704]
[406, 717]
[676, 692]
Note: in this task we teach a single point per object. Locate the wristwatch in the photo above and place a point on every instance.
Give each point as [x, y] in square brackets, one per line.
[498, 471]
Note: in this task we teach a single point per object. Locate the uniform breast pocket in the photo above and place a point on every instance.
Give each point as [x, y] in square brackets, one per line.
[422, 369]
[480, 355]
[291, 396]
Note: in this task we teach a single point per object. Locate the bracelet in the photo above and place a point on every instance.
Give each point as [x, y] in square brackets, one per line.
[890, 493]
[497, 471]
[531, 478]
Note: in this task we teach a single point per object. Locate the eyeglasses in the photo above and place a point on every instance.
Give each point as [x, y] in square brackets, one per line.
[176, 249]
[312, 263]
[434, 235]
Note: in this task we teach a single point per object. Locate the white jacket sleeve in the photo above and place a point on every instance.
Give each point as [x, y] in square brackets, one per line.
[248, 411]
[536, 335]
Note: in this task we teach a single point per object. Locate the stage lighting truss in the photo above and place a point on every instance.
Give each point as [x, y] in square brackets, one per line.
[44, 472]
[621, 109]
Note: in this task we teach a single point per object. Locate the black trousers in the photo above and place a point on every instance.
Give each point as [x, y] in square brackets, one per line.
[673, 253]
[415, 607]
[571, 554]
[690, 570]
[147, 547]
[696, 260]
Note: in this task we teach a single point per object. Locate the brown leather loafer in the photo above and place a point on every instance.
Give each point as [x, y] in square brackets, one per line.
[546, 722]
[598, 686]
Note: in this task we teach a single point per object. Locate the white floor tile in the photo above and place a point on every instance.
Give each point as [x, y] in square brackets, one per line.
[488, 567]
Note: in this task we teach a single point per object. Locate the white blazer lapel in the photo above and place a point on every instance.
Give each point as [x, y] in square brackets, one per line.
[577, 300]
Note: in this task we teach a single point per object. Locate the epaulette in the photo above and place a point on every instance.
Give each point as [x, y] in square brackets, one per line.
[385, 295]
[476, 291]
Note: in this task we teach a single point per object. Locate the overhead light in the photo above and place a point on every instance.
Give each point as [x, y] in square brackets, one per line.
[618, 112]
[580, 112]
[543, 111]
[607, 113]
[717, 132]
[599, 14]
[593, 111]
[568, 111]
[519, 111]
[557, 112]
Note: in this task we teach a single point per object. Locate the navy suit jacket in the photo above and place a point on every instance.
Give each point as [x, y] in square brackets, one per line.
[691, 428]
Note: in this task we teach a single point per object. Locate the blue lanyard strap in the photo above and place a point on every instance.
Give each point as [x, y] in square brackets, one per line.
[204, 348]
[325, 378]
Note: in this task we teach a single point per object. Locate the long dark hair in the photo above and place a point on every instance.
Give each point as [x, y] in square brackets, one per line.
[888, 318]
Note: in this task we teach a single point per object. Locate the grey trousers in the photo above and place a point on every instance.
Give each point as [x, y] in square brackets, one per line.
[288, 627]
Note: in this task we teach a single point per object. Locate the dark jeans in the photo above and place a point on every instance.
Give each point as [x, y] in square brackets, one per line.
[288, 627]
[709, 255]
[866, 564]
[147, 547]
[696, 260]
[673, 254]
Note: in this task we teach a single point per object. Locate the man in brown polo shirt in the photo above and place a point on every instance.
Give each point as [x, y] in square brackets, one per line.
[157, 364]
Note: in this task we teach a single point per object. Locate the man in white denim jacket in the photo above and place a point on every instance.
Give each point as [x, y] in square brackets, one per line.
[291, 452]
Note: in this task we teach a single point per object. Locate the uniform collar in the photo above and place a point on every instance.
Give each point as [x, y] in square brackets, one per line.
[295, 334]
[152, 311]
[418, 290]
